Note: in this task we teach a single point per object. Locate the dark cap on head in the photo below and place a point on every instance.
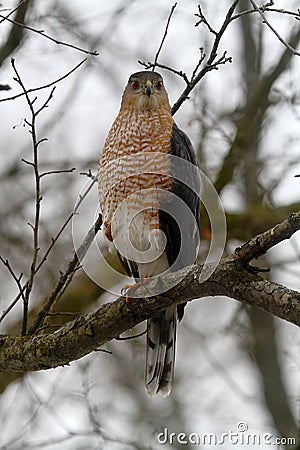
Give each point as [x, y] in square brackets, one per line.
[145, 75]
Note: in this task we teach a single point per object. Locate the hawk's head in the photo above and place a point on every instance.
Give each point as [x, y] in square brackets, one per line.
[145, 90]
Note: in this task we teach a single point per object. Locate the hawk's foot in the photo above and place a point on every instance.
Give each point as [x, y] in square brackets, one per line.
[129, 289]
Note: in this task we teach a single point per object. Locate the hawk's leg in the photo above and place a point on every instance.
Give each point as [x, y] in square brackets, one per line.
[107, 231]
[129, 289]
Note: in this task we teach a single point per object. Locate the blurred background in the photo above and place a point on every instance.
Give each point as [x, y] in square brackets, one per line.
[234, 364]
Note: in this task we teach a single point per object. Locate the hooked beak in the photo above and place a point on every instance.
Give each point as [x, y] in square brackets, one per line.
[148, 88]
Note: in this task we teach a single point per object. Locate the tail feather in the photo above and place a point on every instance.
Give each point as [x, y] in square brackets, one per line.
[160, 352]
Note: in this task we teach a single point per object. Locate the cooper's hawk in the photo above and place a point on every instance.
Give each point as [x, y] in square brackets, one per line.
[148, 186]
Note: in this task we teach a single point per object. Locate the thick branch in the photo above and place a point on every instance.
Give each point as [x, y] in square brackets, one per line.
[86, 333]
[260, 244]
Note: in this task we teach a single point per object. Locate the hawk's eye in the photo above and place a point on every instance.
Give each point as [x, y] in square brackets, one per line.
[135, 85]
[159, 85]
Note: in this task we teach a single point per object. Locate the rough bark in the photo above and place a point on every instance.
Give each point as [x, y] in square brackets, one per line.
[86, 333]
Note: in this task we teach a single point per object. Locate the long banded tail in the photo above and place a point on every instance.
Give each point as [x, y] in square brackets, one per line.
[160, 352]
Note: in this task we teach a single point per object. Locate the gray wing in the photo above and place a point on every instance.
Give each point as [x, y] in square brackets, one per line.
[179, 220]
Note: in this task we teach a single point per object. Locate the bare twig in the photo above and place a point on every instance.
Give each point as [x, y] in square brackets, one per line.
[26, 289]
[25, 161]
[149, 64]
[201, 59]
[49, 249]
[45, 86]
[51, 172]
[211, 64]
[103, 351]
[42, 33]
[45, 104]
[204, 20]
[16, 278]
[164, 36]
[266, 8]
[67, 276]
[265, 20]
[89, 174]
[38, 197]
[127, 338]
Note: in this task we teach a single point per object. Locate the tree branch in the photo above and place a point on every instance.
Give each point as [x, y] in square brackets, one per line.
[45, 86]
[22, 27]
[232, 278]
[211, 63]
[260, 244]
[16, 34]
[264, 20]
[38, 194]
[164, 36]
[250, 122]
[67, 276]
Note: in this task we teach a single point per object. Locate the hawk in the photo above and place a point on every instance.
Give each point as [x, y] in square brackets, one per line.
[149, 200]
